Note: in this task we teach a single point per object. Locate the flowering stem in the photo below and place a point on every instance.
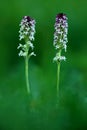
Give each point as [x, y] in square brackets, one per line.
[26, 74]
[60, 40]
[26, 33]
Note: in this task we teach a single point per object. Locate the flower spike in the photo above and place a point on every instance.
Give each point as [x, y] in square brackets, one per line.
[60, 41]
[26, 33]
[60, 35]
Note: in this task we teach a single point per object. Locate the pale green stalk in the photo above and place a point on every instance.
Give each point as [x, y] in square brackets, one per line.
[27, 74]
[58, 73]
[58, 76]
[27, 67]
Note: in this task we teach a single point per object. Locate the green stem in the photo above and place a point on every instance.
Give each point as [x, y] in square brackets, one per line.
[26, 74]
[58, 72]
[58, 76]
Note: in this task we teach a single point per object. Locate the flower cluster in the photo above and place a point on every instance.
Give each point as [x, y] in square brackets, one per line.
[26, 33]
[60, 35]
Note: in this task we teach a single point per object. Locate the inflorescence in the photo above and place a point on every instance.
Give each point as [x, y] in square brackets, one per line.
[60, 36]
[26, 33]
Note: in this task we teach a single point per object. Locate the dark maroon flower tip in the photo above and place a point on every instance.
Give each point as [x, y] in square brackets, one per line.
[61, 16]
[28, 18]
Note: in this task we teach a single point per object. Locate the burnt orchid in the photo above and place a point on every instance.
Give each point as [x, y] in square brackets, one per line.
[26, 33]
[60, 41]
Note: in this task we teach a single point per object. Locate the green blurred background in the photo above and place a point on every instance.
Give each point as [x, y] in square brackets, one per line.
[18, 110]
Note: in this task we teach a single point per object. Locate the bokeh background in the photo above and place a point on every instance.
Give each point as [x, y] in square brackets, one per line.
[42, 110]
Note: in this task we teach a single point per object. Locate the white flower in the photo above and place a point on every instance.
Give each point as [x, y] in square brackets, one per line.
[32, 54]
[21, 53]
[59, 58]
[20, 45]
[30, 44]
